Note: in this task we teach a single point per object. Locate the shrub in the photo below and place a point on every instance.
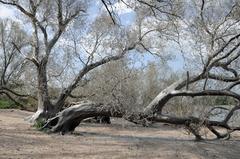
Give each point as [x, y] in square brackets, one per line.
[7, 104]
[39, 123]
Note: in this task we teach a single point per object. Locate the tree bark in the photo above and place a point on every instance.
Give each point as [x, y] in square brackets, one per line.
[45, 108]
[67, 120]
[161, 99]
[165, 95]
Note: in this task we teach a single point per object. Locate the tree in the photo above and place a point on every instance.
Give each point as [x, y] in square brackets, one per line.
[47, 29]
[221, 52]
[218, 39]
[12, 63]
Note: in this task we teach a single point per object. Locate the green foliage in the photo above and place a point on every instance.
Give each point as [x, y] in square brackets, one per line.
[7, 104]
[28, 103]
[39, 123]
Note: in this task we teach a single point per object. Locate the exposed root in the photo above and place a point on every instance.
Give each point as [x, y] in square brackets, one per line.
[36, 116]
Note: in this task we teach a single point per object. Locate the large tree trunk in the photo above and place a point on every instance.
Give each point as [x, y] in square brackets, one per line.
[67, 120]
[45, 109]
[165, 95]
[162, 98]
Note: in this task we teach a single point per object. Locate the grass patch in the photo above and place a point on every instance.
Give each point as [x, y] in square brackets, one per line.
[39, 123]
[7, 104]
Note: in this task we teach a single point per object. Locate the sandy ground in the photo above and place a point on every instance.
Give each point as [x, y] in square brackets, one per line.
[119, 140]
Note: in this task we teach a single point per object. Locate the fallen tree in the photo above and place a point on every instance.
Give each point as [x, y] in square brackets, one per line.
[67, 120]
[221, 59]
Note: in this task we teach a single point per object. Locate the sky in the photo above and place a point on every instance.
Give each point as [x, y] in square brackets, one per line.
[6, 12]
[126, 17]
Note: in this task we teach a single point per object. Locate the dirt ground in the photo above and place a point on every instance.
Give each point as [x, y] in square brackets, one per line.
[119, 140]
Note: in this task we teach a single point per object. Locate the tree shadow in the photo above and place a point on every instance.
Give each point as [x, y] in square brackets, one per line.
[130, 137]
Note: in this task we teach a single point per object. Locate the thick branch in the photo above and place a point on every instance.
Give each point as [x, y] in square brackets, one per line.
[67, 120]
[66, 92]
[11, 98]
[206, 93]
[15, 93]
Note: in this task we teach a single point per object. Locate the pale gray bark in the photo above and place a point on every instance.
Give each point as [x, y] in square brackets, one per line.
[67, 120]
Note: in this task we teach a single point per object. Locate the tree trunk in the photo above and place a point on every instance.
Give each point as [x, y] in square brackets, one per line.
[165, 95]
[68, 119]
[45, 108]
[162, 98]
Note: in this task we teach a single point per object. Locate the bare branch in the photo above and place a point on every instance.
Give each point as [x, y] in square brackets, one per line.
[34, 60]
[109, 12]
